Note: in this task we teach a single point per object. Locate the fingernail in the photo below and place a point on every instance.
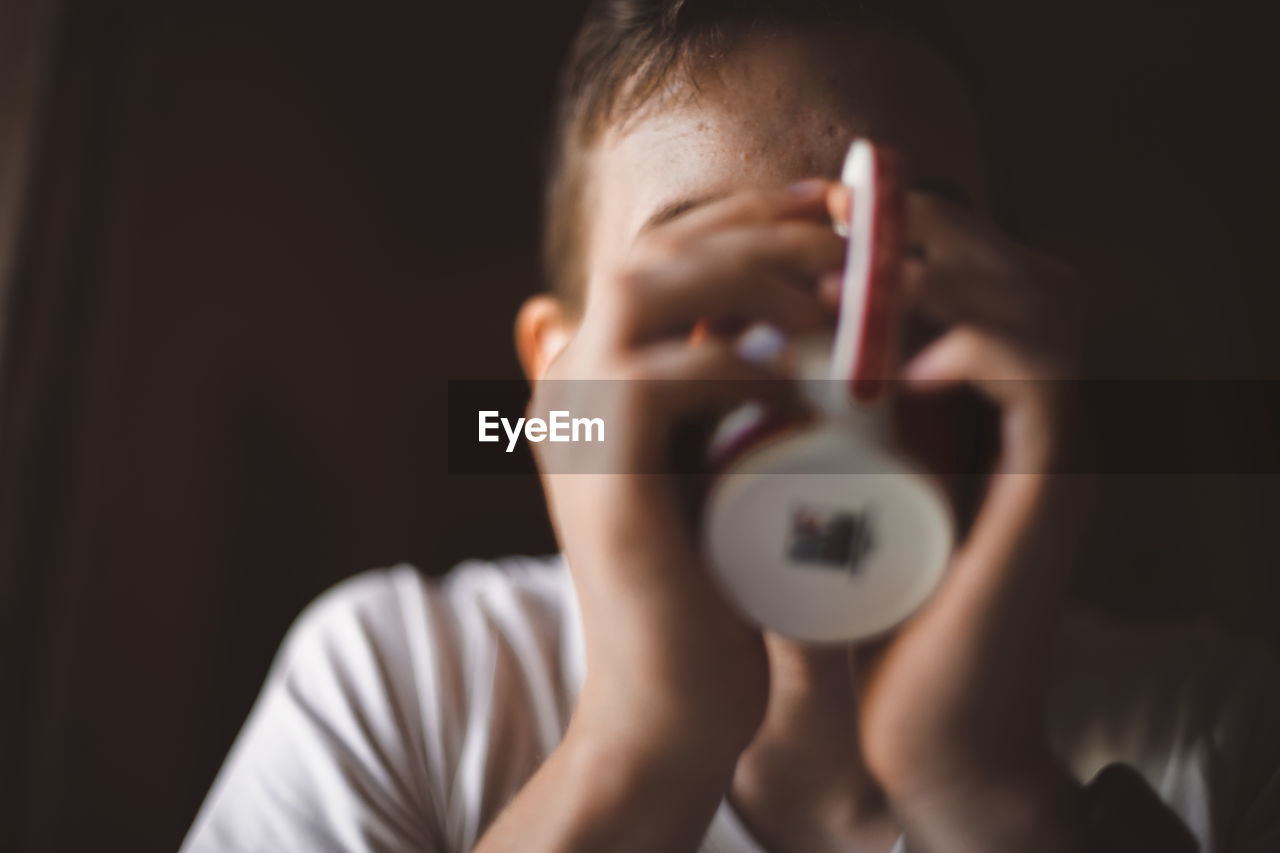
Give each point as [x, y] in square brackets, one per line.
[920, 368]
[812, 188]
[762, 344]
[840, 206]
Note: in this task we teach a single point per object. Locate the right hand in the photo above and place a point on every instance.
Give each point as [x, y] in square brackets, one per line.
[670, 665]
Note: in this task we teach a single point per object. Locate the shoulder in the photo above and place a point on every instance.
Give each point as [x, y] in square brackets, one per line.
[489, 645]
[402, 707]
[534, 583]
[395, 629]
[1190, 707]
[397, 613]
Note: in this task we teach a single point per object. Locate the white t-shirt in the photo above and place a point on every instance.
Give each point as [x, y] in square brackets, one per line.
[402, 714]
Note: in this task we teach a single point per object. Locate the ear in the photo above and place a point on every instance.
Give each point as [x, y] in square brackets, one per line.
[543, 328]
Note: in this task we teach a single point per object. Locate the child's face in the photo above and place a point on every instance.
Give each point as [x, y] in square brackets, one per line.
[777, 110]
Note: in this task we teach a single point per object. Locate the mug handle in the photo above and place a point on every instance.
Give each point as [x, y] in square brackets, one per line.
[865, 339]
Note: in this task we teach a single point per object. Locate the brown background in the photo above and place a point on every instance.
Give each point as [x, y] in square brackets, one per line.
[260, 237]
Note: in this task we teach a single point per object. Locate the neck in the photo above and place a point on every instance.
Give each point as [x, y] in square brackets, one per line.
[803, 772]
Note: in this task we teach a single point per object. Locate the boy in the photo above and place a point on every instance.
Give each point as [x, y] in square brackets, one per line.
[610, 699]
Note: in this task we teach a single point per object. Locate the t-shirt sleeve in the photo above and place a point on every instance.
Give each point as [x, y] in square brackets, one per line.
[1196, 712]
[381, 721]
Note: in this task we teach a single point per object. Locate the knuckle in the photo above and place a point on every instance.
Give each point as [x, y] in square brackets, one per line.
[742, 267]
[812, 243]
[968, 344]
[714, 355]
[755, 204]
[793, 238]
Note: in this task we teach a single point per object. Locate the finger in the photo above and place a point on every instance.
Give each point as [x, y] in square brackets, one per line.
[673, 382]
[710, 376]
[948, 234]
[764, 274]
[932, 223]
[1007, 579]
[955, 273]
[954, 296]
[997, 608]
[1003, 372]
[1029, 395]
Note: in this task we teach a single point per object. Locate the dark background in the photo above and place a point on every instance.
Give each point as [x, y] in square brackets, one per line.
[261, 238]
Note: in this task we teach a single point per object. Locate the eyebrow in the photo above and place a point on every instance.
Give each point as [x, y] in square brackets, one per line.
[677, 207]
[672, 209]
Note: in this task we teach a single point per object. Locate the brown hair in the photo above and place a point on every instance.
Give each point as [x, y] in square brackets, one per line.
[625, 50]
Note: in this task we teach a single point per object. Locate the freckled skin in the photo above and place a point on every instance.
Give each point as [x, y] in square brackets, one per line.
[776, 110]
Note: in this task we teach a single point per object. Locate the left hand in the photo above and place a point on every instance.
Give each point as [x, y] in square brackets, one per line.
[951, 706]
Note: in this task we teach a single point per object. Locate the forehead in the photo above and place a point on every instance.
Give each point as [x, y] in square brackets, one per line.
[778, 109]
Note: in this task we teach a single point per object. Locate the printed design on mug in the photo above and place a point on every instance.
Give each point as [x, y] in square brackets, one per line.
[830, 538]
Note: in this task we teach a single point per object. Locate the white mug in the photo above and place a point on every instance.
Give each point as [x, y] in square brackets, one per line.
[821, 532]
